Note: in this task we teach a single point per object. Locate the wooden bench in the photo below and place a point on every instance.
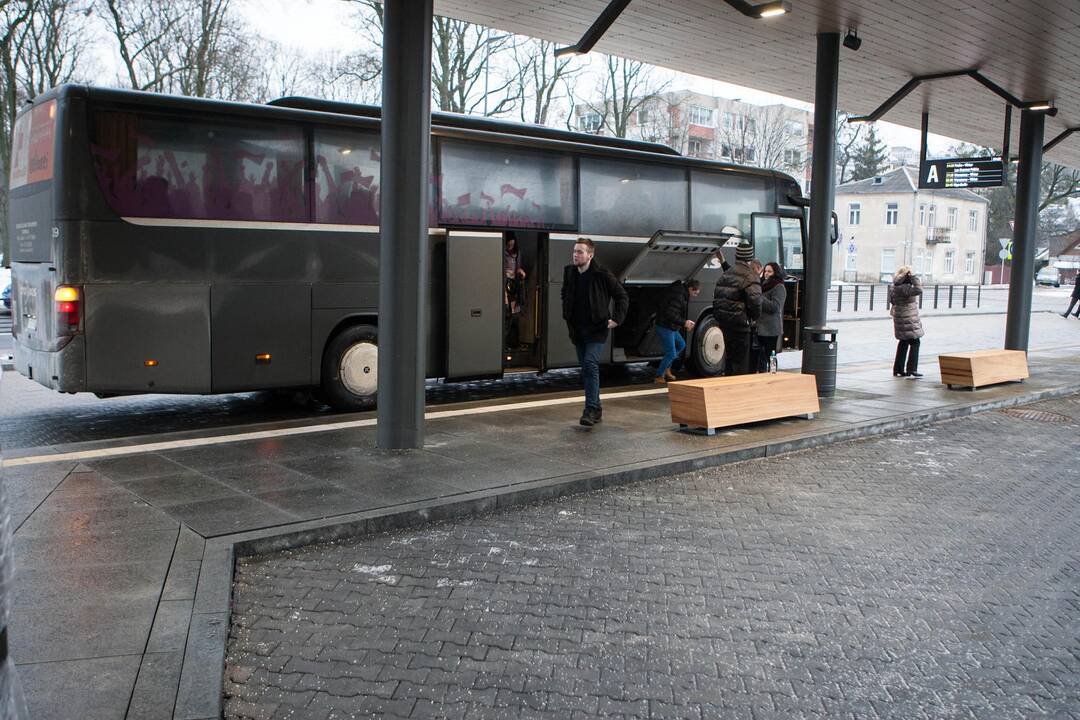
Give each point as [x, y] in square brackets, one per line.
[982, 367]
[709, 403]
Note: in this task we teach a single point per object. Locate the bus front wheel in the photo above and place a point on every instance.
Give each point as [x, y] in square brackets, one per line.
[707, 348]
[350, 369]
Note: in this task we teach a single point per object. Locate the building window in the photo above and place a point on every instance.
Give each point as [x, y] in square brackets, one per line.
[950, 261]
[725, 150]
[794, 127]
[700, 115]
[591, 122]
[854, 213]
[643, 116]
[892, 213]
[750, 154]
[969, 263]
[931, 218]
[888, 261]
[850, 262]
[693, 147]
[951, 218]
[928, 263]
[922, 215]
[973, 220]
[792, 158]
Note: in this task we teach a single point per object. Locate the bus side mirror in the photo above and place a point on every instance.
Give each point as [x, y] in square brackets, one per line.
[834, 230]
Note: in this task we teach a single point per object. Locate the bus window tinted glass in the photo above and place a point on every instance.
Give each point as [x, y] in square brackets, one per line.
[720, 199]
[501, 186]
[161, 167]
[791, 229]
[766, 238]
[621, 198]
[347, 177]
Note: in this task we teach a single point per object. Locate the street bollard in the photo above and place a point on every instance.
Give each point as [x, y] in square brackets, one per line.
[963, 300]
[950, 296]
[935, 295]
[856, 308]
[978, 298]
[872, 297]
[839, 297]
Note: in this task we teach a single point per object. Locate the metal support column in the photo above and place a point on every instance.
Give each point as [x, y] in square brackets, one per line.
[403, 247]
[822, 196]
[1018, 321]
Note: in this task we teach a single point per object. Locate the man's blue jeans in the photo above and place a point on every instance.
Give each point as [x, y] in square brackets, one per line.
[588, 355]
[673, 344]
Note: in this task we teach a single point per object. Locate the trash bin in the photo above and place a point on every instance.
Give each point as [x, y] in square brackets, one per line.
[819, 358]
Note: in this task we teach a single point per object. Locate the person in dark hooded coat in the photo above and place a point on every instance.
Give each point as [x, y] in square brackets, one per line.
[736, 307]
[907, 327]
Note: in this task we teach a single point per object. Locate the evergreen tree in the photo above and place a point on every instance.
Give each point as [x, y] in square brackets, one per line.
[869, 158]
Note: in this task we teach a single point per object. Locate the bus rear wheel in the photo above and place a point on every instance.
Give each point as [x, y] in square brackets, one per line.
[707, 348]
[350, 369]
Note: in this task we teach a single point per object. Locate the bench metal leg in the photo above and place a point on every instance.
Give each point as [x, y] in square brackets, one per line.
[697, 430]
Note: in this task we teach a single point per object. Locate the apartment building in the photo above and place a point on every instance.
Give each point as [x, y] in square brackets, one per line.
[887, 221]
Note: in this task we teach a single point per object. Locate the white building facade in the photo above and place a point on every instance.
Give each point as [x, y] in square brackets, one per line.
[886, 222]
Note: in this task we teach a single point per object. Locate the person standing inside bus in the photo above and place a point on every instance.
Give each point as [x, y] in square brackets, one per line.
[513, 291]
[594, 302]
[736, 307]
[674, 309]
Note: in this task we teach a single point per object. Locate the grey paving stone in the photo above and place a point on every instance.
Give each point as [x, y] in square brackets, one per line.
[170, 628]
[96, 688]
[183, 487]
[133, 467]
[122, 582]
[78, 629]
[930, 573]
[223, 516]
[55, 551]
[199, 693]
[154, 694]
[181, 580]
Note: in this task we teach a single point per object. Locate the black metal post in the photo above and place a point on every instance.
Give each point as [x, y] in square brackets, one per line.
[978, 298]
[872, 297]
[950, 295]
[1018, 320]
[964, 299]
[818, 357]
[935, 295]
[855, 307]
[839, 298]
[403, 247]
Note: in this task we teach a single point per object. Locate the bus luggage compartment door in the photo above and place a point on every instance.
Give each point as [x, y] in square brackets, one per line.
[148, 338]
[474, 305]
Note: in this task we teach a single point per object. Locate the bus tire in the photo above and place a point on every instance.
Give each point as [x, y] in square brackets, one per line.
[350, 369]
[707, 348]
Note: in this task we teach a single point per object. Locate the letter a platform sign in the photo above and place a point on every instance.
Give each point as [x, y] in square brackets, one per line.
[961, 173]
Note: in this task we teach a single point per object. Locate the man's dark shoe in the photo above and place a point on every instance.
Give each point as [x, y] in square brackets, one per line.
[597, 414]
[914, 375]
[587, 418]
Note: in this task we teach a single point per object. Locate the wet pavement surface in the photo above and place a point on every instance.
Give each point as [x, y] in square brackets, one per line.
[933, 573]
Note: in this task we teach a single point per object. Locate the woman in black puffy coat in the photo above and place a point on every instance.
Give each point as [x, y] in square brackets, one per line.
[907, 327]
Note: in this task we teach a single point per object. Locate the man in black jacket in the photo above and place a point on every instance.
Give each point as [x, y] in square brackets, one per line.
[587, 293]
[736, 307]
[670, 321]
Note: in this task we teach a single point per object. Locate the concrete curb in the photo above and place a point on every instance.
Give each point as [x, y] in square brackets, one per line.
[200, 695]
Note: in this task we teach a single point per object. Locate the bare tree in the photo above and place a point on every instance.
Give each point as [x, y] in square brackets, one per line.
[348, 77]
[16, 13]
[51, 47]
[468, 63]
[848, 137]
[538, 79]
[664, 120]
[148, 38]
[625, 86]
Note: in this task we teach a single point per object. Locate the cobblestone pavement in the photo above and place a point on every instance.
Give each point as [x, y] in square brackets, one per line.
[930, 574]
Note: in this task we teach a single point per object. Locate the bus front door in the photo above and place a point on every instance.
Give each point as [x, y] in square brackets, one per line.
[474, 305]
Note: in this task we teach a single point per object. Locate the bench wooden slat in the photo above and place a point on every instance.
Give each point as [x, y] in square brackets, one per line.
[725, 401]
[983, 367]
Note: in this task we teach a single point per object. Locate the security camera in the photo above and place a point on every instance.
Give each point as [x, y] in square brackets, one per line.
[852, 40]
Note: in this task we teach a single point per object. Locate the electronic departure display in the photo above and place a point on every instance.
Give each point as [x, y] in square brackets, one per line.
[961, 173]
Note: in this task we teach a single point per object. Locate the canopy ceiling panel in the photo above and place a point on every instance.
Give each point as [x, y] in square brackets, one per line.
[1031, 48]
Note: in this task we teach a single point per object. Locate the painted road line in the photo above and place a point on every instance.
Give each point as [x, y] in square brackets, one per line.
[99, 453]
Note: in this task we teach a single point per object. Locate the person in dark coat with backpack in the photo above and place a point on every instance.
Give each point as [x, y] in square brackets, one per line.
[907, 327]
[594, 302]
[1075, 297]
[771, 323]
[670, 321]
[736, 307]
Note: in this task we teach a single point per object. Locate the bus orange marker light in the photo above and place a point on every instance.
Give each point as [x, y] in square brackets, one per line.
[66, 293]
[262, 359]
[150, 363]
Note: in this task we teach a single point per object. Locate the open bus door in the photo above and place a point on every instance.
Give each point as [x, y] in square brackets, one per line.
[474, 305]
[667, 257]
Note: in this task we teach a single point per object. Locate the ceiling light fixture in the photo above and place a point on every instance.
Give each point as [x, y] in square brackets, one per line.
[852, 41]
[761, 10]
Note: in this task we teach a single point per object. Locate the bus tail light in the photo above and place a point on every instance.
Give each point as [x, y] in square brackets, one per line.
[68, 306]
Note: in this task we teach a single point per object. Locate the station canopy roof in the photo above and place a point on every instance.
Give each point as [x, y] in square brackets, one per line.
[1031, 48]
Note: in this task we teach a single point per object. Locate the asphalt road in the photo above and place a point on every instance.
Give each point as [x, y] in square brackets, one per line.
[34, 417]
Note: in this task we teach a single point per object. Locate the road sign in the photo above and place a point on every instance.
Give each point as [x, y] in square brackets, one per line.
[962, 173]
[1004, 254]
[851, 249]
[1004, 242]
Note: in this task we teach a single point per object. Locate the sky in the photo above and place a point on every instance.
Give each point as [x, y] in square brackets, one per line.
[319, 25]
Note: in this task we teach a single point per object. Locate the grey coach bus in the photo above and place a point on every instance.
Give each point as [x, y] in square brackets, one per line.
[180, 245]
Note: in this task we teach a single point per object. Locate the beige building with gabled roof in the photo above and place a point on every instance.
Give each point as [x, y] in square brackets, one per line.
[887, 221]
